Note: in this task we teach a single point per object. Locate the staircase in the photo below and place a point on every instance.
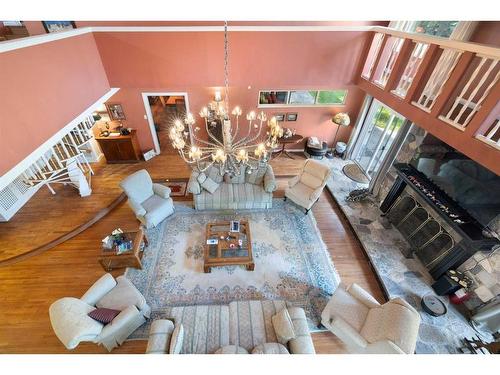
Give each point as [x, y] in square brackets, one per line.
[63, 163]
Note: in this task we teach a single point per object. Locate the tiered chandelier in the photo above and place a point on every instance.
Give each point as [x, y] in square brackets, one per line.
[251, 148]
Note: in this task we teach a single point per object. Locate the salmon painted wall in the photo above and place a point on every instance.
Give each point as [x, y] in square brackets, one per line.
[43, 88]
[487, 32]
[193, 62]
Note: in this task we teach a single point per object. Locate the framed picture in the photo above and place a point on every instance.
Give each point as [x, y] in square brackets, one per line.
[291, 116]
[280, 116]
[273, 98]
[115, 111]
[56, 26]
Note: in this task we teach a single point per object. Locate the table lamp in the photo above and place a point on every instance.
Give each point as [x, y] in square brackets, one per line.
[340, 119]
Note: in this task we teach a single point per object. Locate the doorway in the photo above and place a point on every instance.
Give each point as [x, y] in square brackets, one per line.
[378, 132]
[162, 110]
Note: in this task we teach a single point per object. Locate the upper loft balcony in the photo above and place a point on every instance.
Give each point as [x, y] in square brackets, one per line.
[448, 87]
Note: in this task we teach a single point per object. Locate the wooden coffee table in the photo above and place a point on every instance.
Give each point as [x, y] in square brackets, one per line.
[227, 251]
[110, 259]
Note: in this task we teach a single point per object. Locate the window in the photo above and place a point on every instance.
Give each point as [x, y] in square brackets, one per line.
[273, 97]
[300, 98]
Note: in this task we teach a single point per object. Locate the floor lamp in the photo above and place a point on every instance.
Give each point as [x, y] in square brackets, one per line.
[340, 119]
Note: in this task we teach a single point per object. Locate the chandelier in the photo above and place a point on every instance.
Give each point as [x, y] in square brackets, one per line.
[249, 147]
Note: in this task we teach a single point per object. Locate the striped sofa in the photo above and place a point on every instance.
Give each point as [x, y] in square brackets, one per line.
[246, 324]
[254, 190]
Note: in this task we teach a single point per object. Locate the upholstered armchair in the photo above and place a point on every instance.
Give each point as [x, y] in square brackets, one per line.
[306, 188]
[365, 326]
[150, 202]
[72, 325]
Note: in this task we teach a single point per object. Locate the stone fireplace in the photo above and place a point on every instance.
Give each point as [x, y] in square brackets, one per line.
[441, 234]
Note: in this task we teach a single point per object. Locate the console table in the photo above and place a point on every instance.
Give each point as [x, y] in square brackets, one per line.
[120, 149]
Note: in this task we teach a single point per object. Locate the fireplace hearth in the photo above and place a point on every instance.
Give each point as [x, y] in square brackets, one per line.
[442, 234]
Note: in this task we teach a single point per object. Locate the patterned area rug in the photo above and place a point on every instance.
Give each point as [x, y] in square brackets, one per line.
[292, 262]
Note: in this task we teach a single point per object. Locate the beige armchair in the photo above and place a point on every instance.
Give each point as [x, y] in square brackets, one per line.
[306, 188]
[72, 325]
[365, 326]
[150, 201]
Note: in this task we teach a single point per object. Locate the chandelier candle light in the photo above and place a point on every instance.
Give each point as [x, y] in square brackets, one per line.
[251, 149]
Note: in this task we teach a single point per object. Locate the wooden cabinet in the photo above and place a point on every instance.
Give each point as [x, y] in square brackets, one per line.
[121, 149]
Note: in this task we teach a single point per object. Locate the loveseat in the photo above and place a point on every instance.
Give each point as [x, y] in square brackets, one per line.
[241, 326]
[212, 191]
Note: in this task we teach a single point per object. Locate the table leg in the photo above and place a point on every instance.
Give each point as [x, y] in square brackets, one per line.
[206, 269]
[250, 266]
[288, 154]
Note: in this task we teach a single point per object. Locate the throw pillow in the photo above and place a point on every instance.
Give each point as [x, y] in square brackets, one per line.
[177, 340]
[103, 315]
[256, 177]
[207, 183]
[231, 349]
[283, 326]
[270, 348]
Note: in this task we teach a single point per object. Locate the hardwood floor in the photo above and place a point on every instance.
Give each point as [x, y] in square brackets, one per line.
[29, 287]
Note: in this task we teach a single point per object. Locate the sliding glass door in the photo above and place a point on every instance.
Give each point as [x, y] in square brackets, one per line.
[378, 132]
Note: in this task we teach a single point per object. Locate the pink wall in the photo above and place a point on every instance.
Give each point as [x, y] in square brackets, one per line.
[193, 63]
[34, 27]
[43, 88]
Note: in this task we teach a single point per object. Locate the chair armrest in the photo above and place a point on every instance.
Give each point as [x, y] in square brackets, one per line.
[269, 180]
[345, 332]
[384, 347]
[100, 288]
[194, 186]
[136, 207]
[293, 181]
[161, 190]
[362, 296]
[121, 323]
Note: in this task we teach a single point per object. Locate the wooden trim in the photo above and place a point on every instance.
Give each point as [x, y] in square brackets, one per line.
[451, 84]
[424, 72]
[67, 236]
[400, 64]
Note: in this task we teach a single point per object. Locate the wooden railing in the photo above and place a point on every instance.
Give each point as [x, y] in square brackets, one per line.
[450, 88]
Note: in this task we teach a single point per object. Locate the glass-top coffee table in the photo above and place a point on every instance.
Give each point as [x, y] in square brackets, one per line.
[226, 248]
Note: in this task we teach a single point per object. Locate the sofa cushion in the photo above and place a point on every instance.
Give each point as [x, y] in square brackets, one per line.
[123, 295]
[231, 349]
[270, 348]
[177, 340]
[103, 315]
[214, 174]
[257, 176]
[349, 308]
[283, 326]
[250, 322]
[206, 328]
[236, 179]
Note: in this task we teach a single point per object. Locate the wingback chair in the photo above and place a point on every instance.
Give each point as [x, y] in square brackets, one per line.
[365, 326]
[72, 325]
[306, 188]
[150, 202]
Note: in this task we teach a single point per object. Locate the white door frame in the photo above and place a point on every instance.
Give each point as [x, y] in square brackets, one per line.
[149, 114]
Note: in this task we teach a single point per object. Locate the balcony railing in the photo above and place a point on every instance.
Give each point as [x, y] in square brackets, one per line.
[438, 83]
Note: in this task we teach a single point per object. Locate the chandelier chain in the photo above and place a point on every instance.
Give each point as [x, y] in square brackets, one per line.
[226, 69]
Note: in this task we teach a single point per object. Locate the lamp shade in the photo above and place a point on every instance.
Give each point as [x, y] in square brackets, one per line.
[342, 119]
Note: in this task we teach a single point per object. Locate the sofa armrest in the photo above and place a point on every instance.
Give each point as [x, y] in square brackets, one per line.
[139, 211]
[269, 180]
[159, 336]
[293, 181]
[99, 289]
[302, 343]
[362, 296]
[194, 186]
[162, 190]
[345, 332]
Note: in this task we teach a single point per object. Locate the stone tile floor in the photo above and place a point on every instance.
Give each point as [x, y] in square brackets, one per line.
[401, 277]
